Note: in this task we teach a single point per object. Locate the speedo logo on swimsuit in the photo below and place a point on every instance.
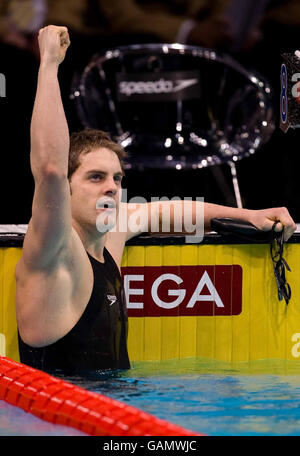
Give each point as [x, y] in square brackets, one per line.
[129, 88]
[112, 299]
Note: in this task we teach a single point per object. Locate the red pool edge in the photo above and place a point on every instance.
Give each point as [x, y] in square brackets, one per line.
[60, 402]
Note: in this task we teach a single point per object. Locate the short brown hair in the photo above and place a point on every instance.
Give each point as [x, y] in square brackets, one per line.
[83, 142]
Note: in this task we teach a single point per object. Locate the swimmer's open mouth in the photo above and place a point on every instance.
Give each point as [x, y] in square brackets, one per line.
[106, 204]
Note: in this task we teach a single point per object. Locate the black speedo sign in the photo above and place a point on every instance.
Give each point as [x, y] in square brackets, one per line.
[163, 86]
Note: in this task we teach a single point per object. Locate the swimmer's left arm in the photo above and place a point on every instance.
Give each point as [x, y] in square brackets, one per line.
[177, 217]
[263, 219]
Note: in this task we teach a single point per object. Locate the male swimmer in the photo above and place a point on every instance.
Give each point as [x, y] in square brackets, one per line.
[70, 305]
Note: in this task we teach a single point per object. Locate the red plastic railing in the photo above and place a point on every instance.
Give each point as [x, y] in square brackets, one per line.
[61, 402]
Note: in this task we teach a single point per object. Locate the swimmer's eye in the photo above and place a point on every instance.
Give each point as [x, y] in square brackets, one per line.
[96, 177]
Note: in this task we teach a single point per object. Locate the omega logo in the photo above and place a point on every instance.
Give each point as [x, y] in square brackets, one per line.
[179, 293]
[184, 290]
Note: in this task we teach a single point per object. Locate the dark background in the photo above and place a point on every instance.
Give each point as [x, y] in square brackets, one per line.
[267, 179]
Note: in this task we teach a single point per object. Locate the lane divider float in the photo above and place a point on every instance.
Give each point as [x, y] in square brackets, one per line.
[61, 402]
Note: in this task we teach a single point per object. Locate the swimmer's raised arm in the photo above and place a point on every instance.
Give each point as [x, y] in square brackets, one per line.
[50, 225]
[49, 129]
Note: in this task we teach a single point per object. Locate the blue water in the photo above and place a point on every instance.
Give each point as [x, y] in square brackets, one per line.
[218, 399]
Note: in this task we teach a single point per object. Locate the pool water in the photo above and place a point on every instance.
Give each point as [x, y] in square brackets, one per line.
[218, 399]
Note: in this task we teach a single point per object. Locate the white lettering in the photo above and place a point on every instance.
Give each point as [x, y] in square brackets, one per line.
[194, 211]
[133, 291]
[138, 219]
[213, 296]
[179, 293]
[295, 348]
[120, 446]
[173, 445]
[165, 213]
[129, 88]
[2, 86]
[2, 345]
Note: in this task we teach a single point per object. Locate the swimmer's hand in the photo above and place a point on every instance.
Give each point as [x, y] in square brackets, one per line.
[53, 43]
[264, 219]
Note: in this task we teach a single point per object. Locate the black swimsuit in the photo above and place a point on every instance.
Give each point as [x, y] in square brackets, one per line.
[99, 339]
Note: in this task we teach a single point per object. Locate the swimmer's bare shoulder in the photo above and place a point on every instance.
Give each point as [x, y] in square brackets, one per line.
[51, 296]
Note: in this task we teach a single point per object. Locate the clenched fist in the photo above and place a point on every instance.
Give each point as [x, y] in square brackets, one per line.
[53, 43]
[264, 220]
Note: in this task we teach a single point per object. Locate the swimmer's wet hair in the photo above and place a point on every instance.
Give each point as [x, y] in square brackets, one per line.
[85, 141]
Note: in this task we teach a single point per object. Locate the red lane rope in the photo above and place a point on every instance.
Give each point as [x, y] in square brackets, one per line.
[61, 402]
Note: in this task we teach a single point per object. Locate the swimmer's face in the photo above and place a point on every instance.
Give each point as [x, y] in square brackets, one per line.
[95, 190]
